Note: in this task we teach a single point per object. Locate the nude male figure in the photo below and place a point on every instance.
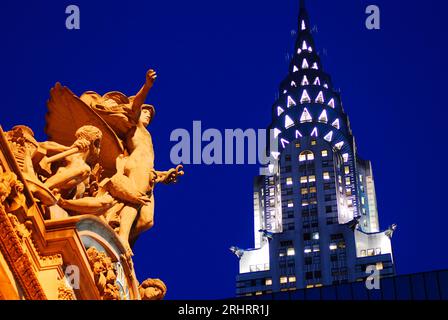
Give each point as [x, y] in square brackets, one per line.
[139, 166]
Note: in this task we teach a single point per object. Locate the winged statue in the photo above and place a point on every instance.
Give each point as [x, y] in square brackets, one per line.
[126, 154]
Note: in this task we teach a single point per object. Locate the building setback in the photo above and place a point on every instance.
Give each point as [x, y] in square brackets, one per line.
[315, 216]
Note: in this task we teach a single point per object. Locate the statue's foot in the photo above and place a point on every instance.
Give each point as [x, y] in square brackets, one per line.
[129, 254]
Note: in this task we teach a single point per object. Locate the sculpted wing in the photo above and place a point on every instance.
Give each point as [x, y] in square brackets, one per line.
[67, 113]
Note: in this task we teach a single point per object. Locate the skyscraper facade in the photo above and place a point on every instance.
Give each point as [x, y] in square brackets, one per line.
[315, 216]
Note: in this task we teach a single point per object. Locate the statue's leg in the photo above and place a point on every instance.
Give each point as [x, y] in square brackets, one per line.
[145, 221]
[127, 218]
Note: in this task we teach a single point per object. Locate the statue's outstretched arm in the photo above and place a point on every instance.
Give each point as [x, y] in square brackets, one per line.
[140, 97]
[53, 147]
[169, 176]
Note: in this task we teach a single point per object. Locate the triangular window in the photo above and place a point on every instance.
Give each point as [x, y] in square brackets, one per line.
[336, 124]
[305, 97]
[276, 132]
[320, 97]
[305, 64]
[291, 102]
[305, 81]
[284, 142]
[288, 122]
[323, 117]
[280, 110]
[304, 45]
[305, 117]
[329, 136]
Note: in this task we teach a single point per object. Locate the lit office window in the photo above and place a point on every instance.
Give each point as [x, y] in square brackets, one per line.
[379, 266]
[316, 248]
[311, 178]
[315, 236]
[347, 181]
[370, 252]
[324, 153]
[289, 181]
[313, 190]
[313, 142]
[303, 179]
[363, 253]
[346, 170]
[307, 250]
[305, 203]
[363, 200]
[292, 279]
[258, 293]
[290, 204]
[326, 176]
[283, 279]
[291, 252]
[306, 155]
[268, 282]
[333, 246]
[304, 191]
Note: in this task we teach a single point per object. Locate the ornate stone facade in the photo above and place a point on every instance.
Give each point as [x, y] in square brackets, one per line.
[72, 207]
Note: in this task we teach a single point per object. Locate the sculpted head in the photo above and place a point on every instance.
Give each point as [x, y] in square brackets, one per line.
[152, 289]
[146, 114]
[93, 135]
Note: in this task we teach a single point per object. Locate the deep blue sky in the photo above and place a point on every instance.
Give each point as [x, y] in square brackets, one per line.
[221, 62]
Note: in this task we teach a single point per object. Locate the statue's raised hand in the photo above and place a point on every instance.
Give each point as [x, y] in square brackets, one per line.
[170, 176]
[151, 76]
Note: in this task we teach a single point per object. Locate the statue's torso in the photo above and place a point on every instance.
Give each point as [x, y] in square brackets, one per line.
[140, 163]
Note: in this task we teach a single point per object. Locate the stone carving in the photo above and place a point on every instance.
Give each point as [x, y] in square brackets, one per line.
[65, 292]
[99, 160]
[104, 273]
[20, 228]
[126, 155]
[11, 245]
[10, 190]
[152, 289]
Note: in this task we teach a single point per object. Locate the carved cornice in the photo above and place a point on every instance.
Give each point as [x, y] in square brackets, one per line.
[17, 258]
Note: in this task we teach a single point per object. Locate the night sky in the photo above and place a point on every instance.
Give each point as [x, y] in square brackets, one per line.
[221, 62]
